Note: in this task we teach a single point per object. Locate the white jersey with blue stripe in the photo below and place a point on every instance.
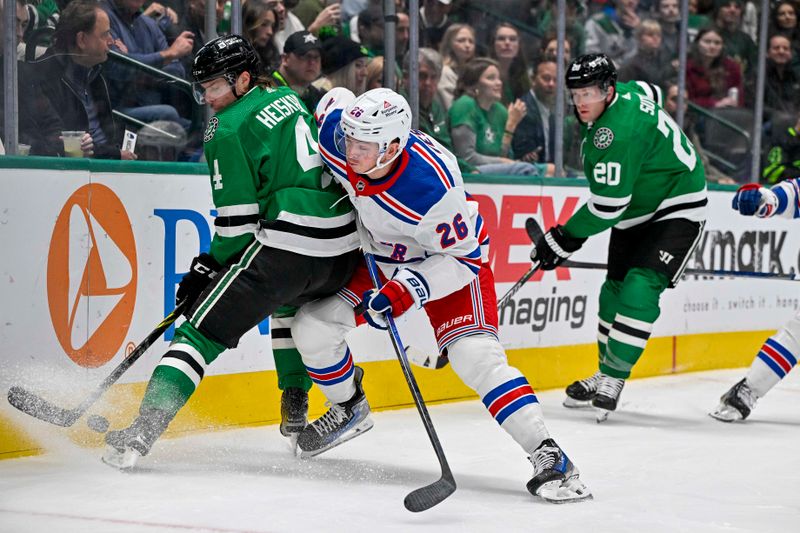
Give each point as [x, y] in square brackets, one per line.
[788, 193]
[419, 217]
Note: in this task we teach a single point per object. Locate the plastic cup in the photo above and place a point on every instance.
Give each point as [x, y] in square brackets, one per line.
[23, 149]
[72, 143]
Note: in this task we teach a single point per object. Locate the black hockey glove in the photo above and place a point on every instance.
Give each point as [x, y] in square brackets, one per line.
[555, 247]
[204, 268]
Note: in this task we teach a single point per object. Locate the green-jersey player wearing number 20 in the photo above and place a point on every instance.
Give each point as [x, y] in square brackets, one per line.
[648, 185]
[281, 239]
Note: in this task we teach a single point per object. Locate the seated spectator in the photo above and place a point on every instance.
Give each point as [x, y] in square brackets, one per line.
[402, 31]
[375, 73]
[712, 79]
[72, 67]
[289, 23]
[651, 62]
[782, 82]
[669, 18]
[140, 38]
[434, 22]
[457, 48]
[534, 138]
[344, 64]
[259, 24]
[739, 46]
[301, 64]
[783, 20]
[610, 32]
[481, 128]
[575, 22]
[370, 29]
[548, 51]
[782, 153]
[713, 173]
[506, 51]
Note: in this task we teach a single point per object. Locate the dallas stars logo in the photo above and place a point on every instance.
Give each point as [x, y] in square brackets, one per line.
[603, 138]
[211, 129]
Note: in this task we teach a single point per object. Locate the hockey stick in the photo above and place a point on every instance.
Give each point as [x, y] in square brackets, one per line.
[32, 404]
[535, 234]
[425, 497]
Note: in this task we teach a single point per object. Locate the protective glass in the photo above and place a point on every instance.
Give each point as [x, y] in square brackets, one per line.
[356, 148]
[586, 95]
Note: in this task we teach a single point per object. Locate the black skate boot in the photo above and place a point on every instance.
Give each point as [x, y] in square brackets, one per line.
[125, 446]
[342, 422]
[294, 411]
[582, 392]
[736, 404]
[555, 478]
[608, 391]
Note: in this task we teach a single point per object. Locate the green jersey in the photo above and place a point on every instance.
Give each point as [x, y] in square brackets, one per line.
[267, 181]
[640, 167]
[487, 125]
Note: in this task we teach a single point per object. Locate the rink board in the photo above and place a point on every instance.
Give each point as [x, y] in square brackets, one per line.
[94, 250]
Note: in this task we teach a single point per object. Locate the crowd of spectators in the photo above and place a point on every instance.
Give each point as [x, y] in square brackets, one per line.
[487, 73]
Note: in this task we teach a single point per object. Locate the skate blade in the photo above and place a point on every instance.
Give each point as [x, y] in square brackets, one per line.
[572, 403]
[120, 460]
[571, 490]
[362, 427]
[291, 439]
[726, 413]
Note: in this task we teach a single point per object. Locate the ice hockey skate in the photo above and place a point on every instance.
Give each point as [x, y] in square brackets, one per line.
[607, 396]
[736, 404]
[555, 478]
[294, 413]
[126, 446]
[582, 392]
[342, 422]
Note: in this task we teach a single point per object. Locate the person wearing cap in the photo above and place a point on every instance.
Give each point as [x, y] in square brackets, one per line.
[433, 22]
[344, 64]
[301, 63]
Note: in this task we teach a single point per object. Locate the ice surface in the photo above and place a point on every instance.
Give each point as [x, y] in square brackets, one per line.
[660, 463]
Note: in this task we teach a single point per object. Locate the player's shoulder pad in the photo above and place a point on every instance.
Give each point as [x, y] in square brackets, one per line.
[644, 88]
[336, 98]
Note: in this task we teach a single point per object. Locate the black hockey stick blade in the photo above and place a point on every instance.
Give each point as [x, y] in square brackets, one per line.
[426, 497]
[37, 407]
[34, 405]
[534, 230]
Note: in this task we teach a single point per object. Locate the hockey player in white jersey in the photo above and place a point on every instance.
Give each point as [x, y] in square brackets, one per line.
[431, 246]
[778, 355]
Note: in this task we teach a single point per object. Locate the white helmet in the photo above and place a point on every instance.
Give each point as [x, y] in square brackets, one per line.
[378, 116]
[336, 98]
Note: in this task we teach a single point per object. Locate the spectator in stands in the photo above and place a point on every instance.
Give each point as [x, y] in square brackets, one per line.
[782, 83]
[370, 29]
[66, 89]
[433, 22]
[301, 64]
[534, 137]
[549, 49]
[575, 22]
[259, 24]
[322, 16]
[140, 38]
[782, 153]
[402, 31]
[610, 32]
[738, 45]
[651, 62]
[457, 48]
[783, 20]
[289, 23]
[713, 79]
[375, 73]
[344, 64]
[481, 128]
[671, 106]
[669, 18]
[506, 51]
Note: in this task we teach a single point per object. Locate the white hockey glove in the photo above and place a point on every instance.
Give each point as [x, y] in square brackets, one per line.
[752, 199]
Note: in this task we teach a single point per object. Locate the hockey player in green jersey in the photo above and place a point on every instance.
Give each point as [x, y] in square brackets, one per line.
[647, 184]
[282, 238]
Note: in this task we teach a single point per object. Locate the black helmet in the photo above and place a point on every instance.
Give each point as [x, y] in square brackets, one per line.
[591, 69]
[229, 55]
